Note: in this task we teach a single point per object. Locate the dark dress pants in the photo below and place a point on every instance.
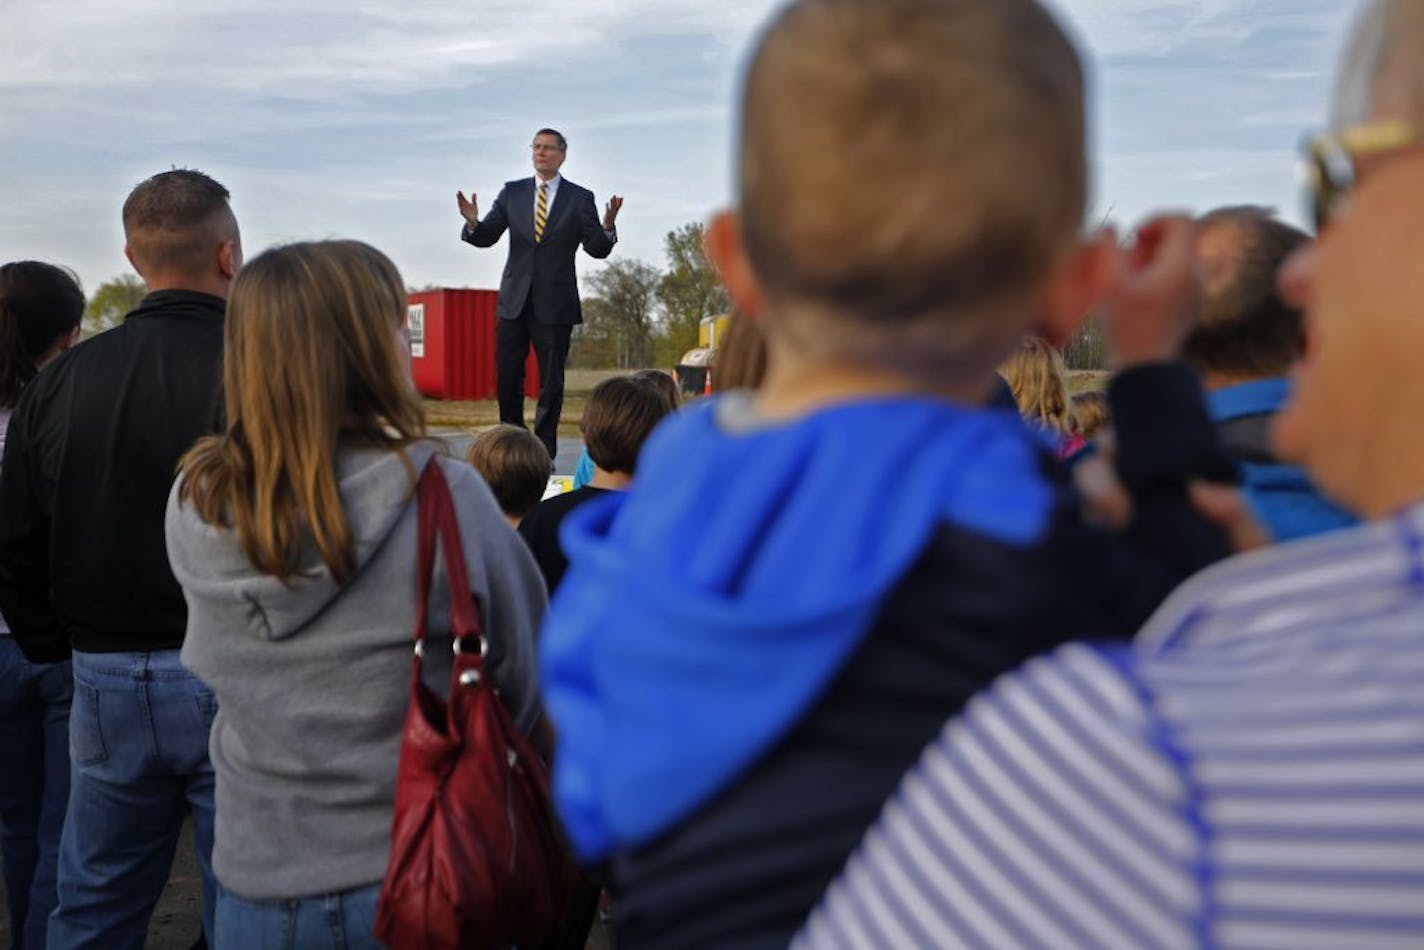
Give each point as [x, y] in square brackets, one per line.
[551, 350]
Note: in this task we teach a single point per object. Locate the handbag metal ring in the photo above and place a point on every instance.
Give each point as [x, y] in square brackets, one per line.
[484, 646]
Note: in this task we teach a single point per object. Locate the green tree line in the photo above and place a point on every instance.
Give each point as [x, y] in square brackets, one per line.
[111, 301]
[637, 315]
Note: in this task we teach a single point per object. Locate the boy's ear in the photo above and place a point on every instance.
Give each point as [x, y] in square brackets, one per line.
[728, 255]
[1075, 285]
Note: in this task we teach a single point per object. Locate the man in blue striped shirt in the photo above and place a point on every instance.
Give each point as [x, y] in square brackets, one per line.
[1250, 771]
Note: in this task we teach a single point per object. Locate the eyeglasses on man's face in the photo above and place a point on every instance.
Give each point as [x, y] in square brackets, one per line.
[1333, 162]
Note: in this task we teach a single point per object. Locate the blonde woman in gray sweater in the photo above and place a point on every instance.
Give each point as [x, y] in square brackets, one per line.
[293, 535]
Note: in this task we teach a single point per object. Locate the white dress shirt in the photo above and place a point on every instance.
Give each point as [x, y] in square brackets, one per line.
[553, 184]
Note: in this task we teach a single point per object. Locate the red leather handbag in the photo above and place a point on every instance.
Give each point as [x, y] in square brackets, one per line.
[475, 858]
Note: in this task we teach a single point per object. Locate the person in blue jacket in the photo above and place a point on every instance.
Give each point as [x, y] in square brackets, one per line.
[755, 642]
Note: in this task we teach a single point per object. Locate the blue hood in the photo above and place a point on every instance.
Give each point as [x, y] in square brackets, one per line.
[706, 610]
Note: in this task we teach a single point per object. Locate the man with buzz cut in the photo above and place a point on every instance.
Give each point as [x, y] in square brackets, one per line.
[1249, 772]
[89, 459]
[548, 217]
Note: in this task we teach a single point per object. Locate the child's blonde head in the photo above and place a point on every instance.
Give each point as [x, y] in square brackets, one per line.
[1035, 373]
[910, 171]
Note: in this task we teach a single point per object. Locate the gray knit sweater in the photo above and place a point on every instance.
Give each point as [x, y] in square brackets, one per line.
[312, 680]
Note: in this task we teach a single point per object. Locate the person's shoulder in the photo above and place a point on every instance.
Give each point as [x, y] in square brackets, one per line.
[99, 347]
[1056, 774]
[97, 351]
[1299, 582]
[575, 188]
[558, 506]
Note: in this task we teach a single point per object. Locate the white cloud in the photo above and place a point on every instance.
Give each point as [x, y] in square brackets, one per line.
[1162, 28]
[334, 118]
[326, 47]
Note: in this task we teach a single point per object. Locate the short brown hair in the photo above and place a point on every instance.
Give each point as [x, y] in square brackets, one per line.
[173, 220]
[1246, 329]
[904, 160]
[620, 415]
[664, 382]
[563, 142]
[515, 465]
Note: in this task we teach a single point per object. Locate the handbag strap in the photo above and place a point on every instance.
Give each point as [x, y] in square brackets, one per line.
[435, 511]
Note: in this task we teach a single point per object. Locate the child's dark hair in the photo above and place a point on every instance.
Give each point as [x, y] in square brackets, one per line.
[665, 384]
[620, 415]
[39, 304]
[515, 465]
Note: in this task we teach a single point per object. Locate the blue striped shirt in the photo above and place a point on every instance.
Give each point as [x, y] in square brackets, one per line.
[1248, 773]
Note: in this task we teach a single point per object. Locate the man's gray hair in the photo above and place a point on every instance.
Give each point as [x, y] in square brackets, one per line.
[1386, 45]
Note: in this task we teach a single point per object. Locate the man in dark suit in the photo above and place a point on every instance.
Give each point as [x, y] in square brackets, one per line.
[548, 218]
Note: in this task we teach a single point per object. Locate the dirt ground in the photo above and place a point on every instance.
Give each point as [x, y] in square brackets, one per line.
[177, 921]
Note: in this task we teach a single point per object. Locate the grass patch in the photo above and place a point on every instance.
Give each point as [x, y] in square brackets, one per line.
[478, 415]
[1087, 380]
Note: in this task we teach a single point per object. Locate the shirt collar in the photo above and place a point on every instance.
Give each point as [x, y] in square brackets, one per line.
[553, 183]
[1247, 399]
[192, 299]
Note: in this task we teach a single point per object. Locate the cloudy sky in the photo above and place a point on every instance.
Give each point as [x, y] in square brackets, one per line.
[334, 118]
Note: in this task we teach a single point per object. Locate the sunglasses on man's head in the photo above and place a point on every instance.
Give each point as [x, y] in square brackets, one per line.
[1332, 163]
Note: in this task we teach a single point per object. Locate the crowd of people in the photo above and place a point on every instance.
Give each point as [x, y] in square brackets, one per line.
[896, 642]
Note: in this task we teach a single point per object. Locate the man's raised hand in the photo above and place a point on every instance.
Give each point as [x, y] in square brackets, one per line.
[1155, 295]
[610, 212]
[469, 209]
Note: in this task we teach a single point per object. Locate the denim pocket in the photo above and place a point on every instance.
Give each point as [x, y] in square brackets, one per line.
[207, 706]
[86, 739]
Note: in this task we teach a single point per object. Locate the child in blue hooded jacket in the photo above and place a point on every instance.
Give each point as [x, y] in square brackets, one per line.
[752, 645]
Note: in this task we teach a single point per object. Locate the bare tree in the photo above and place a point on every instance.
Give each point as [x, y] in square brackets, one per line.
[626, 309]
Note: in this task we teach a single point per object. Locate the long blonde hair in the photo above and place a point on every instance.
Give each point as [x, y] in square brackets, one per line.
[311, 361]
[1035, 374]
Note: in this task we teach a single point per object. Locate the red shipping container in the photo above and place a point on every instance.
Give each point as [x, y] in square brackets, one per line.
[452, 345]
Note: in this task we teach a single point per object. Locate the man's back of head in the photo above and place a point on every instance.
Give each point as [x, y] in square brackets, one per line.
[1246, 330]
[180, 232]
[910, 169]
[84, 570]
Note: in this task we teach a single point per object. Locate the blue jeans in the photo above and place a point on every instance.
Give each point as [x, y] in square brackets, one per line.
[344, 921]
[138, 742]
[34, 786]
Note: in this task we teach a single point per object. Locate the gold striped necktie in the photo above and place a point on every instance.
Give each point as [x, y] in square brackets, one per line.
[541, 212]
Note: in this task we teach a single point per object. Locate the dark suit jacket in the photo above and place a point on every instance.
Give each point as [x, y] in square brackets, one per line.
[546, 269]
